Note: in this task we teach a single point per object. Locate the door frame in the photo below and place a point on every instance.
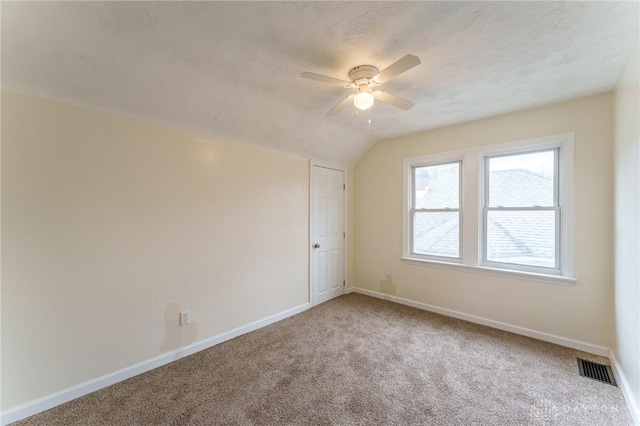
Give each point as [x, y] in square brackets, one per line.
[342, 168]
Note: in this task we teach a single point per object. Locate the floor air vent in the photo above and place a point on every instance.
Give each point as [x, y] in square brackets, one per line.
[599, 372]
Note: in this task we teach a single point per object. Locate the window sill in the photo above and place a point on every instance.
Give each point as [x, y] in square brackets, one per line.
[548, 279]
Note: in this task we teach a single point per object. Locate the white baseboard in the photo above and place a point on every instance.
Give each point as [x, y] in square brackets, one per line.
[625, 388]
[41, 404]
[562, 341]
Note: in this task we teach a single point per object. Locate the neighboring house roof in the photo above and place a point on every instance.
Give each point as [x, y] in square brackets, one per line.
[507, 188]
[522, 237]
[439, 191]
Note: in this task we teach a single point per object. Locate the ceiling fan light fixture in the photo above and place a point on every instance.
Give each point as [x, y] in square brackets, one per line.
[363, 100]
[365, 78]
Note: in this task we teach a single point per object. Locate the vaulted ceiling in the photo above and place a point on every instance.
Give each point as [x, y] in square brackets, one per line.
[232, 69]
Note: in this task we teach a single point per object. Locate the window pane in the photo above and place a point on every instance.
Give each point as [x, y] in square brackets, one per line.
[437, 233]
[437, 187]
[523, 180]
[522, 237]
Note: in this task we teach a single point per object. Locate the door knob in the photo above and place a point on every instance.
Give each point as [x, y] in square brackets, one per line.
[316, 245]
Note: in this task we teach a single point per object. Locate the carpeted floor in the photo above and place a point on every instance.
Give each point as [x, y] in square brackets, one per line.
[357, 360]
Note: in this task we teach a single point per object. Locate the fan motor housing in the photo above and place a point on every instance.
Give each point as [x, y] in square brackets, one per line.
[362, 72]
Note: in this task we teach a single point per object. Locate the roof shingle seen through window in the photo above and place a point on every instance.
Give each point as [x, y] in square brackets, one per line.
[520, 188]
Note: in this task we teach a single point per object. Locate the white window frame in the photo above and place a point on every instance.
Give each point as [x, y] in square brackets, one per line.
[414, 210]
[472, 209]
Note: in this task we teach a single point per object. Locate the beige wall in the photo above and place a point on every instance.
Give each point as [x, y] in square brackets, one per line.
[581, 312]
[626, 344]
[110, 226]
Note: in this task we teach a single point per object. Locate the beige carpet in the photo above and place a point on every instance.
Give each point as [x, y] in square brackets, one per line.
[359, 361]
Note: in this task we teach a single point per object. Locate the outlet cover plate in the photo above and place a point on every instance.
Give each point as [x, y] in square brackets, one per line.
[185, 318]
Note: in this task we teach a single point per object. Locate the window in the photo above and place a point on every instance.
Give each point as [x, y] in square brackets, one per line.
[522, 212]
[502, 209]
[435, 211]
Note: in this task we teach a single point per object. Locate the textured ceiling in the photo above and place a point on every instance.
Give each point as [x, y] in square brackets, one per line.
[232, 69]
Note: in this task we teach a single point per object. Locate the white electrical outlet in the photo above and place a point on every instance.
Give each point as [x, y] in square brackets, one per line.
[185, 318]
[389, 277]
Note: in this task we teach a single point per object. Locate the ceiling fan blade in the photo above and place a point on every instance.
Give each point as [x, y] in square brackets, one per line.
[401, 65]
[336, 109]
[394, 100]
[325, 79]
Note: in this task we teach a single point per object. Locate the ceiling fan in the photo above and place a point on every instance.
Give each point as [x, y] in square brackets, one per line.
[364, 81]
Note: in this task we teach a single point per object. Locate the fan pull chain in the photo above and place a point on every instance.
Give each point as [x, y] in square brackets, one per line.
[369, 115]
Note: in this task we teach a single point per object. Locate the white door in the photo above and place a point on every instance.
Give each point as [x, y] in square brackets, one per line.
[327, 234]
